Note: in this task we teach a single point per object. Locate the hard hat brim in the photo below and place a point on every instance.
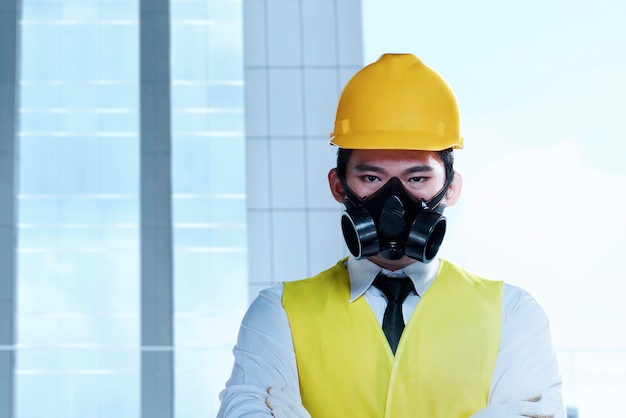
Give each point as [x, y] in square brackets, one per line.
[401, 140]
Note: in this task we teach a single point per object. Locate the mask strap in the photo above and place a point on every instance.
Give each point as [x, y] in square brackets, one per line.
[436, 199]
[351, 197]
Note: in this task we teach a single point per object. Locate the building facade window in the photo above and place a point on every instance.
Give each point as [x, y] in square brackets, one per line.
[78, 266]
[79, 317]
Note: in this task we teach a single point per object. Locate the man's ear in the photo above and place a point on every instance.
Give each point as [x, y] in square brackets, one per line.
[336, 188]
[454, 191]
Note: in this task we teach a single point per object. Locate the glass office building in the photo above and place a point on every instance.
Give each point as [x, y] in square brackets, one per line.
[131, 210]
[141, 191]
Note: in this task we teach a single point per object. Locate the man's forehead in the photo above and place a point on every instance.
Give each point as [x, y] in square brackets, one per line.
[380, 158]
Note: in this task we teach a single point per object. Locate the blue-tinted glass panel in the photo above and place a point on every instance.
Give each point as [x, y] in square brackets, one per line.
[211, 209]
[211, 236]
[88, 393]
[209, 120]
[225, 10]
[41, 46]
[224, 59]
[118, 43]
[209, 204]
[208, 165]
[190, 10]
[78, 236]
[224, 95]
[215, 282]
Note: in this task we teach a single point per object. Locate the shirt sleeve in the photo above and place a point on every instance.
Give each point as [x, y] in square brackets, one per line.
[527, 361]
[264, 357]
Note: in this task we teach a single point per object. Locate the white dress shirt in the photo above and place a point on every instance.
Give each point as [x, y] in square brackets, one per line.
[264, 354]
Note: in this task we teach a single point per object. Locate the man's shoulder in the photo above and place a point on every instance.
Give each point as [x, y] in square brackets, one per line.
[316, 290]
[452, 269]
[514, 297]
[337, 270]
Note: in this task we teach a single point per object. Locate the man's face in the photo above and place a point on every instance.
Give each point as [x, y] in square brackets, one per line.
[421, 172]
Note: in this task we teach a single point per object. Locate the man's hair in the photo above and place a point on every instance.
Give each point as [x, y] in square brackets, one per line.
[447, 158]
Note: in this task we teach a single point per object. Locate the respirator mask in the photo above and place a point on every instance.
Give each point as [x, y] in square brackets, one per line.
[392, 223]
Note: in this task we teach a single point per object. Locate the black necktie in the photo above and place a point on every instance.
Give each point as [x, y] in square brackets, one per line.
[396, 289]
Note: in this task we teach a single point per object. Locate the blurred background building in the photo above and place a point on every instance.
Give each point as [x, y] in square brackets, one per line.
[161, 161]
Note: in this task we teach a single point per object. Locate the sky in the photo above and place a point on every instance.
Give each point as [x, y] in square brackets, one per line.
[541, 87]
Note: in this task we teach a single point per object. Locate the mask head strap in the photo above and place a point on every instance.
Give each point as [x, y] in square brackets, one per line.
[436, 199]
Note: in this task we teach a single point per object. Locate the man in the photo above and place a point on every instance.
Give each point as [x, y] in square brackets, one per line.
[392, 330]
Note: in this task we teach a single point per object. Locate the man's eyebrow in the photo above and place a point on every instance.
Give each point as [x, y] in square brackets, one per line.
[418, 169]
[368, 167]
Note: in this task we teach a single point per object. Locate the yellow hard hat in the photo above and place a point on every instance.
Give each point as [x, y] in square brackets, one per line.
[397, 103]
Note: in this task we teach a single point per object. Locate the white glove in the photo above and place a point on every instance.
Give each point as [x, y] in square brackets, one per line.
[285, 404]
[525, 405]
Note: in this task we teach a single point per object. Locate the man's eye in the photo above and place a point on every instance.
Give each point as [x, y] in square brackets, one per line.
[417, 179]
[370, 179]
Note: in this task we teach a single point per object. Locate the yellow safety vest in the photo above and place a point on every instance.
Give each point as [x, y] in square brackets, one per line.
[444, 361]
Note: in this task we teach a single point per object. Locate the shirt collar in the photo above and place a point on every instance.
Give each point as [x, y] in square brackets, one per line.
[363, 272]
